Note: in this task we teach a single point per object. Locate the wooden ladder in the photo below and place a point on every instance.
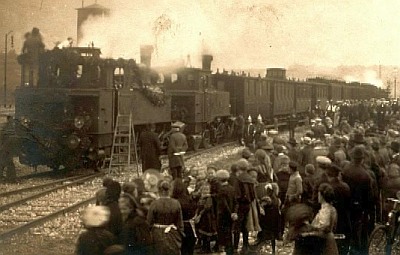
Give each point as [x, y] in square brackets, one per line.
[121, 151]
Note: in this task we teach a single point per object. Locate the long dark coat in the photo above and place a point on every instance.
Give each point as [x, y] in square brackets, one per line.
[342, 205]
[177, 143]
[94, 241]
[306, 155]
[226, 203]
[150, 150]
[136, 236]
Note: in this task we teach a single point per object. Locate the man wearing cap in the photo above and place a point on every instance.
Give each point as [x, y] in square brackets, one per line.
[307, 152]
[320, 176]
[361, 195]
[319, 129]
[295, 185]
[293, 151]
[176, 149]
[317, 110]
[395, 152]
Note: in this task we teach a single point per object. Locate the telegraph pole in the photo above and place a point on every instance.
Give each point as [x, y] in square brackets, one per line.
[5, 66]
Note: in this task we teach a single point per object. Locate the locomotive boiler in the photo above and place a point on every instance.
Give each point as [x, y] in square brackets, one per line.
[67, 118]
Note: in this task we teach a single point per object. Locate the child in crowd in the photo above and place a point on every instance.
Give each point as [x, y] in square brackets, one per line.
[205, 218]
[226, 206]
[270, 215]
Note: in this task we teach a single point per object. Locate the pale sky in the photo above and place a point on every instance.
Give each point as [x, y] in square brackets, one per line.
[240, 34]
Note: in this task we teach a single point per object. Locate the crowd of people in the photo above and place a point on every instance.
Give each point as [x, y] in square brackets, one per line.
[324, 192]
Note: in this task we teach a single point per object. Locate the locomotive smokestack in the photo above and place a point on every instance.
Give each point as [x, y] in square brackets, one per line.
[206, 62]
[145, 54]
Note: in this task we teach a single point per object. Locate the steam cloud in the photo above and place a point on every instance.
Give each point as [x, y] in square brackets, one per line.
[368, 76]
[180, 28]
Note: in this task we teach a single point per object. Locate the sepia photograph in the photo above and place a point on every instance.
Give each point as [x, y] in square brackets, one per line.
[186, 127]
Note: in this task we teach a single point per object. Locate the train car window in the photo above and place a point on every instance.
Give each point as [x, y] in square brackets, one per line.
[119, 77]
[174, 77]
[160, 78]
[79, 71]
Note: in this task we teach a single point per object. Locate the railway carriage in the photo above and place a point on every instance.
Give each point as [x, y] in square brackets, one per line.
[68, 117]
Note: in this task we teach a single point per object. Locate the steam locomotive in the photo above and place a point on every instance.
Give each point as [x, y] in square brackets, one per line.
[68, 102]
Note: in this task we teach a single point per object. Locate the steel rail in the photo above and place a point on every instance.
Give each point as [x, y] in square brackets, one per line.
[39, 221]
[48, 191]
[42, 186]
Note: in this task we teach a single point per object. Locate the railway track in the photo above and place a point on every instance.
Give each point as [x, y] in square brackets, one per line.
[52, 203]
[25, 208]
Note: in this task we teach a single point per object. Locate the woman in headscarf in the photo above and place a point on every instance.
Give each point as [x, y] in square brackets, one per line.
[264, 168]
[165, 218]
[180, 193]
[113, 191]
[135, 236]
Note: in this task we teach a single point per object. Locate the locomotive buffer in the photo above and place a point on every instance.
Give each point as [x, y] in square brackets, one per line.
[124, 138]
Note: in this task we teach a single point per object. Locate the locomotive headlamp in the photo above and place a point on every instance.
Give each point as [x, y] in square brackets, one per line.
[25, 121]
[79, 122]
[73, 141]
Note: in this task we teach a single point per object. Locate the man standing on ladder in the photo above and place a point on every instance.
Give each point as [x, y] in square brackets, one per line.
[176, 149]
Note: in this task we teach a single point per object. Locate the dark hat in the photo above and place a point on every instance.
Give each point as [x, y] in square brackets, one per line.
[268, 147]
[278, 140]
[246, 153]
[309, 134]
[310, 169]
[375, 143]
[358, 152]
[292, 141]
[333, 170]
[278, 148]
[395, 146]
[293, 165]
[337, 142]
[358, 138]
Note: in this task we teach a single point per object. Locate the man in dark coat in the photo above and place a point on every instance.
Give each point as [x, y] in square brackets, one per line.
[150, 148]
[226, 204]
[239, 125]
[359, 181]
[113, 191]
[342, 205]
[307, 152]
[249, 130]
[176, 149]
[245, 195]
